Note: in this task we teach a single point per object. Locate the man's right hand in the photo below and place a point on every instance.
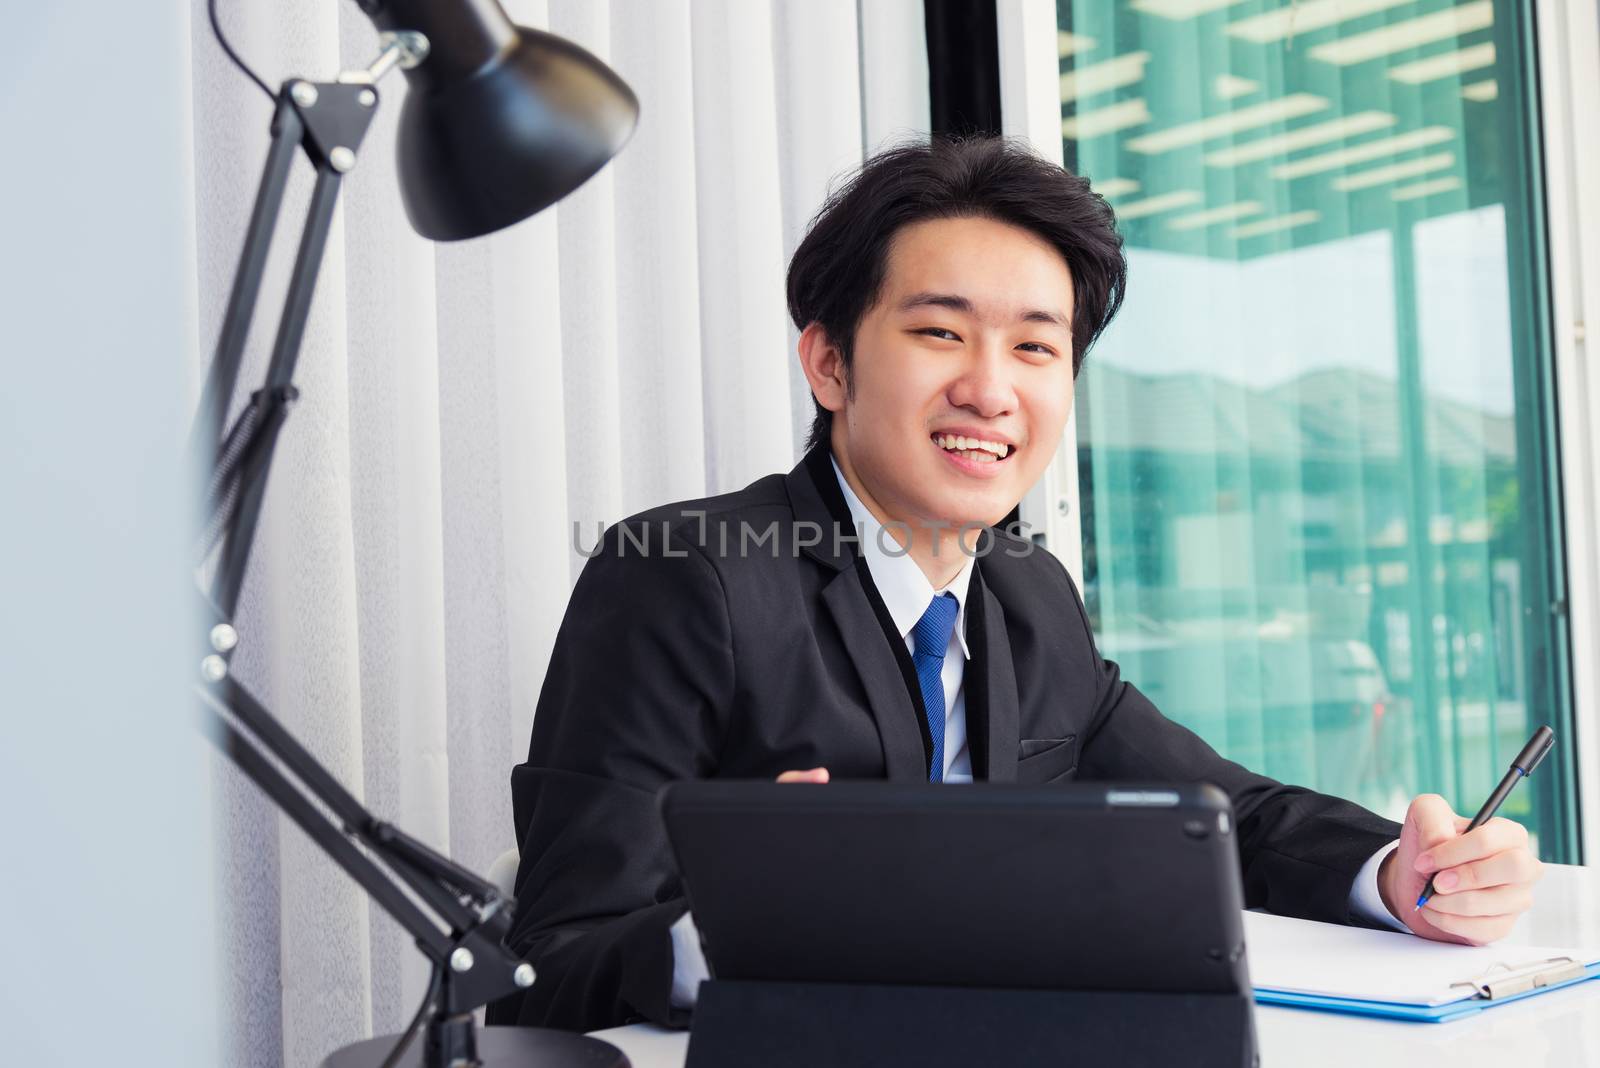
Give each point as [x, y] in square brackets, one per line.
[816, 775]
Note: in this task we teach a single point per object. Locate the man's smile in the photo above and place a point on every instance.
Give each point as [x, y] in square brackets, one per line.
[975, 452]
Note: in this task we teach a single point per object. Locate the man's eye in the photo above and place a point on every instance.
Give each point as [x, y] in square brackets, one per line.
[939, 332]
[1037, 347]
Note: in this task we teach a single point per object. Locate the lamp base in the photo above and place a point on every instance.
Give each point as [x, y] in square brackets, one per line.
[498, 1047]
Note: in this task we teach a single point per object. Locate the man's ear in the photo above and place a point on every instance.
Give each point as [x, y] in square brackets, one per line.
[823, 366]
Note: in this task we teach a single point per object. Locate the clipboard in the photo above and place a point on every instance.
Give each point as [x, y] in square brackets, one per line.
[1397, 976]
[1509, 983]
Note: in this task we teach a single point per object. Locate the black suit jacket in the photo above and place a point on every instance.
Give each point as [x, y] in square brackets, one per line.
[682, 657]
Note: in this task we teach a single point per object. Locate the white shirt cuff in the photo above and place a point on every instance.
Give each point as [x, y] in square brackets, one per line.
[688, 963]
[1365, 899]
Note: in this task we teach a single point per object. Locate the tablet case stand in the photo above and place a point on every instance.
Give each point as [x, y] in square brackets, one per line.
[745, 1023]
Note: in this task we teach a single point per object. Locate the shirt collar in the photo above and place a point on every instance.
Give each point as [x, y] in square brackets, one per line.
[906, 591]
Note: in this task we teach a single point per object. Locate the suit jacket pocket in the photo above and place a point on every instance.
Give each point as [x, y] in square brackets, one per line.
[1041, 760]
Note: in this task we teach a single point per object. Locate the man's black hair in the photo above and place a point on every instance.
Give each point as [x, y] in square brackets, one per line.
[837, 273]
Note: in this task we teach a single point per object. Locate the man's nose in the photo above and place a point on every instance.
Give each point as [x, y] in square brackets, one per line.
[985, 385]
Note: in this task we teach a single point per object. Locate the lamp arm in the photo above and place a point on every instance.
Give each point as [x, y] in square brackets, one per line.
[328, 121]
[354, 820]
[465, 941]
[287, 131]
[457, 919]
[297, 806]
[278, 385]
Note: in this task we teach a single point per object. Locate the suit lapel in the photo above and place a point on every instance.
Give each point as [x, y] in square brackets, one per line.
[881, 676]
[990, 685]
[815, 497]
[993, 712]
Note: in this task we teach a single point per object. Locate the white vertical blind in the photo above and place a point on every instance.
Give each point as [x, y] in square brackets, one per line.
[894, 71]
[741, 255]
[463, 406]
[812, 97]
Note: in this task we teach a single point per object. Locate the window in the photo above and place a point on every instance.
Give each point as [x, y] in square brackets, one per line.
[1316, 450]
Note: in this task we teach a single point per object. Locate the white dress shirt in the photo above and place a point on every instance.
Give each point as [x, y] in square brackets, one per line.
[906, 592]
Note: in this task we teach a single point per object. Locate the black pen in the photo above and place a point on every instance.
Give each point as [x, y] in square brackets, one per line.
[1521, 768]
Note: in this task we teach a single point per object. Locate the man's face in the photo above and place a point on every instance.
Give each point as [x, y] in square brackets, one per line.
[971, 338]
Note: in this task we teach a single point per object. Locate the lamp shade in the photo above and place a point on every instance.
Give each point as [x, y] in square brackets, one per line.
[499, 121]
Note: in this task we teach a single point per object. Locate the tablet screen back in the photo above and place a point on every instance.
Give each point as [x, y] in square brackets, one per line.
[1065, 887]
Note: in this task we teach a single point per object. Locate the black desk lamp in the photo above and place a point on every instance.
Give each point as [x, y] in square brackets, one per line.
[500, 123]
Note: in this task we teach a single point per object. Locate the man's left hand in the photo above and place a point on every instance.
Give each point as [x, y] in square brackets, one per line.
[1482, 881]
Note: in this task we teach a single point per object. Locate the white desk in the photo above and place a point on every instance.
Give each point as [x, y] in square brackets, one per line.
[1556, 1030]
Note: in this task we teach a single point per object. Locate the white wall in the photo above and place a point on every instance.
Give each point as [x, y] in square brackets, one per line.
[105, 891]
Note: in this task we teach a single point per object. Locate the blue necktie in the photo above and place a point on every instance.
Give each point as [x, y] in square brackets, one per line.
[930, 639]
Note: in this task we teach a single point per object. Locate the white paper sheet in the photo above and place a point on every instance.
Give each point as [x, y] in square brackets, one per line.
[1328, 960]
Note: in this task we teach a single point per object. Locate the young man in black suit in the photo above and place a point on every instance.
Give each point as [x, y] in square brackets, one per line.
[860, 618]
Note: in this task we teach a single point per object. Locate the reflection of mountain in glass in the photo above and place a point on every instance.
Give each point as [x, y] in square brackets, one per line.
[1436, 296]
[1296, 482]
[1325, 415]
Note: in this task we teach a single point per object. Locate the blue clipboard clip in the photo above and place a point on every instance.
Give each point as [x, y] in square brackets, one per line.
[1501, 980]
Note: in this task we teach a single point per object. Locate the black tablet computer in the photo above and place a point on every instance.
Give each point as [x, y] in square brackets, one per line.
[1073, 887]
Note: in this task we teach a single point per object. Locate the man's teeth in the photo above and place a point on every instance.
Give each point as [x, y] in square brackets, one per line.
[973, 448]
